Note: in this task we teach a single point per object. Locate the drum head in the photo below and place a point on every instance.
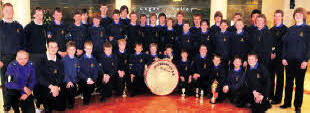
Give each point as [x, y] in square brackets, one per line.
[162, 77]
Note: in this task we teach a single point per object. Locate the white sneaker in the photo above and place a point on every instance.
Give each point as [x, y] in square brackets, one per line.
[38, 110]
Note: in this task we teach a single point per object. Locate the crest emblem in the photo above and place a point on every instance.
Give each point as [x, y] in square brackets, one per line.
[17, 30]
[204, 66]
[62, 32]
[278, 33]
[242, 39]
[185, 68]
[301, 34]
[225, 39]
[258, 76]
[101, 34]
[55, 71]
[91, 65]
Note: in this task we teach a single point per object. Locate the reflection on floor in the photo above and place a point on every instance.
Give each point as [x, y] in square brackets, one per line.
[166, 104]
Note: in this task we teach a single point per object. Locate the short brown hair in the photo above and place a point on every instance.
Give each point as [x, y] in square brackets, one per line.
[238, 14]
[7, 4]
[262, 16]
[77, 12]
[218, 13]
[96, 15]
[70, 44]
[170, 19]
[152, 14]
[142, 15]
[153, 45]
[88, 43]
[138, 44]
[302, 11]
[180, 13]
[279, 11]
[121, 41]
[57, 9]
[197, 15]
[107, 45]
[224, 21]
[132, 12]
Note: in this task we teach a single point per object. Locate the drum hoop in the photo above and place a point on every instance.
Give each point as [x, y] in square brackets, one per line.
[149, 68]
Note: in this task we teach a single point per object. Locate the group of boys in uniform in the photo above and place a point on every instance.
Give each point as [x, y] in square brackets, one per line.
[109, 54]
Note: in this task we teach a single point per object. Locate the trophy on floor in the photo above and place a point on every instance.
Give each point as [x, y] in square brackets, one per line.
[214, 86]
[197, 92]
[201, 94]
[183, 92]
[124, 91]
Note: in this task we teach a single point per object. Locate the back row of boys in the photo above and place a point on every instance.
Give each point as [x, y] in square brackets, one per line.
[269, 45]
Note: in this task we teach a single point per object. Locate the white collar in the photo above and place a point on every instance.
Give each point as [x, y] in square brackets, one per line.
[35, 22]
[49, 58]
[7, 21]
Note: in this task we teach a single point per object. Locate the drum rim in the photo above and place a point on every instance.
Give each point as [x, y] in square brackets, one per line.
[149, 68]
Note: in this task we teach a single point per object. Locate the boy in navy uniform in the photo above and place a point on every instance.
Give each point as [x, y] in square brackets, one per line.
[295, 56]
[50, 79]
[78, 32]
[162, 27]
[57, 32]
[170, 34]
[178, 27]
[222, 41]
[218, 16]
[122, 56]
[236, 17]
[112, 76]
[20, 82]
[105, 19]
[239, 42]
[88, 74]
[152, 34]
[36, 36]
[12, 39]
[143, 28]
[278, 32]
[196, 33]
[235, 86]
[97, 35]
[258, 81]
[137, 64]
[123, 13]
[185, 70]
[217, 75]
[206, 36]
[115, 29]
[200, 66]
[153, 55]
[133, 32]
[84, 18]
[71, 74]
[184, 40]
[261, 41]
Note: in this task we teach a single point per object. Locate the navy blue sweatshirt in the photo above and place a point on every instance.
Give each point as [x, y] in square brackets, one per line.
[71, 69]
[78, 34]
[36, 37]
[89, 68]
[12, 38]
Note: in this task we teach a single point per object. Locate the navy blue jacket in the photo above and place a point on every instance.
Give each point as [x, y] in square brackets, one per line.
[89, 68]
[36, 37]
[20, 76]
[219, 74]
[222, 43]
[136, 64]
[109, 64]
[78, 34]
[98, 36]
[207, 40]
[12, 38]
[50, 72]
[71, 69]
[185, 69]
[105, 22]
[58, 33]
[236, 79]
[178, 28]
[278, 35]
[258, 78]
[201, 65]
[239, 44]
[296, 43]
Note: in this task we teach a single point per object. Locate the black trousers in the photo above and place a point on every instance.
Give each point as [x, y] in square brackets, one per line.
[86, 90]
[6, 59]
[239, 96]
[53, 103]
[293, 71]
[115, 84]
[258, 107]
[277, 69]
[13, 99]
[70, 94]
[138, 85]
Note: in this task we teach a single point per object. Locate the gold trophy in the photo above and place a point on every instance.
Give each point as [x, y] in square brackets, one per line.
[201, 94]
[183, 92]
[197, 92]
[124, 91]
[214, 86]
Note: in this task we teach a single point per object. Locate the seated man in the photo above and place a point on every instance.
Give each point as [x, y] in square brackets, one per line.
[20, 82]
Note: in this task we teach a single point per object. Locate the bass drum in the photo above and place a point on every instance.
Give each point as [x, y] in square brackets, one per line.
[162, 77]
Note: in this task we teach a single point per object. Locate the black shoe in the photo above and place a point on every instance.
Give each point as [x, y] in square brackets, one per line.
[275, 102]
[102, 99]
[70, 106]
[297, 110]
[6, 108]
[268, 105]
[285, 106]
